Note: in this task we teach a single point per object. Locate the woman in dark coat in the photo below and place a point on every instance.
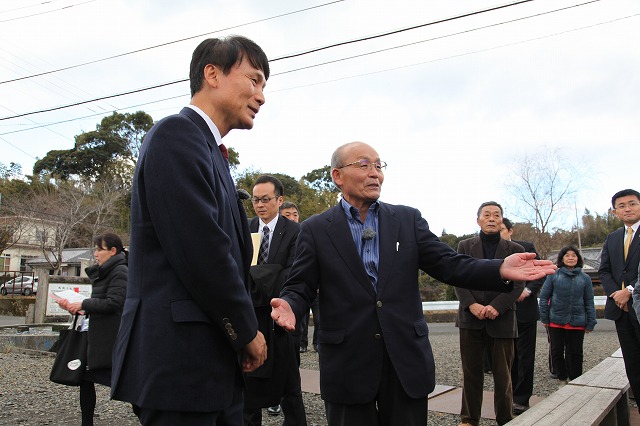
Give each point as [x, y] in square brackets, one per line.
[567, 310]
[102, 310]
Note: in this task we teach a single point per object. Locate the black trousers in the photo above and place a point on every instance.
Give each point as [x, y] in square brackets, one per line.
[629, 337]
[524, 362]
[231, 416]
[566, 350]
[392, 406]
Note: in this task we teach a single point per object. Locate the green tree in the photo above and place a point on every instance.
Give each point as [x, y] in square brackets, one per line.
[112, 148]
[320, 180]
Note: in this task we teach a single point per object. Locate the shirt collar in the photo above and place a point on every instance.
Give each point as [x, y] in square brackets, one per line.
[271, 225]
[209, 121]
[354, 213]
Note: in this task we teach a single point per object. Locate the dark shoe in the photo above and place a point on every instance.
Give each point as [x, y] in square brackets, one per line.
[275, 411]
[315, 348]
[488, 371]
[519, 408]
[303, 349]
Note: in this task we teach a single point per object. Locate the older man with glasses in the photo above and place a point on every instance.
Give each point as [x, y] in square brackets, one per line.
[361, 258]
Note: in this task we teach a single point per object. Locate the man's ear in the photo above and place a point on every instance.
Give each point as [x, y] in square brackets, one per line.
[211, 73]
[337, 178]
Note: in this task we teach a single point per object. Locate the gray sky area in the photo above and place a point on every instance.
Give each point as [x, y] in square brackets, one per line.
[448, 105]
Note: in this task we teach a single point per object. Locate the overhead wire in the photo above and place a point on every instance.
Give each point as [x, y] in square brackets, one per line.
[371, 37]
[48, 11]
[170, 42]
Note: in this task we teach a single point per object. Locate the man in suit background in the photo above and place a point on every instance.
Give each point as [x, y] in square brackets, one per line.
[487, 319]
[376, 363]
[527, 316]
[188, 328]
[619, 273]
[279, 377]
[290, 210]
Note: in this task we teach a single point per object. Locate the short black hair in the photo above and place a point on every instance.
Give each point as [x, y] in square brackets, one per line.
[289, 205]
[624, 193]
[490, 203]
[109, 241]
[279, 188]
[564, 251]
[224, 53]
[507, 223]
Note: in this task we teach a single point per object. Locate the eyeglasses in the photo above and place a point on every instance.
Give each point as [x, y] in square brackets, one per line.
[631, 205]
[263, 200]
[366, 165]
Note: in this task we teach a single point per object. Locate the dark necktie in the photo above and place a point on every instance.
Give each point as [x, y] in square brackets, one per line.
[223, 150]
[263, 253]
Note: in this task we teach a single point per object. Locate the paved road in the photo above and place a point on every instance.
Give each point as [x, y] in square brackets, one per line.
[9, 320]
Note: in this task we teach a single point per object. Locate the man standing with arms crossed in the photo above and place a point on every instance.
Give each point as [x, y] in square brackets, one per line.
[618, 273]
[376, 363]
[188, 328]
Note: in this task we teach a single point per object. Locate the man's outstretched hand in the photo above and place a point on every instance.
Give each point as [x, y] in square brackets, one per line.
[525, 267]
[282, 314]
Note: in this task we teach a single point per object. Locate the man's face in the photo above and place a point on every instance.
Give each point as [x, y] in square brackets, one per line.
[266, 210]
[240, 96]
[360, 187]
[490, 219]
[291, 213]
[505, 233]
[627, 209]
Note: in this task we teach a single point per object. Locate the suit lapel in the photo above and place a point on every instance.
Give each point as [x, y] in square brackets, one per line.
[633, 247]
[389, 228]
[222, 169]
[276, 239]
[340, 235]
[476, 249]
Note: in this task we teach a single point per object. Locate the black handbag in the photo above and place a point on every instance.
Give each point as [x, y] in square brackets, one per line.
[71, 358]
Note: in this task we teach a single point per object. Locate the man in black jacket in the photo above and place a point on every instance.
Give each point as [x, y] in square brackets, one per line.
[527, 315]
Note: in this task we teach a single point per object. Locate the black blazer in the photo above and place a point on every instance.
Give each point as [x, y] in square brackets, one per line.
[528, 310]
[188, 313]
[266, 385]
[614, 270]
[357, 323]
[504, 326]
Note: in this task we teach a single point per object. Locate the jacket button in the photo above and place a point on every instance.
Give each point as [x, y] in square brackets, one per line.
[379, 304]
[378, 336]
[234, 336]
[225, 320]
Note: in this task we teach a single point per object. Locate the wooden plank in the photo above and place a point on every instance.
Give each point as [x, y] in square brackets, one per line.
[610, 373]
[617, 354]
[567, 405]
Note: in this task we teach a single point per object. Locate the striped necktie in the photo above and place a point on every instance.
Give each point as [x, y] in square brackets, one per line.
[263, 253]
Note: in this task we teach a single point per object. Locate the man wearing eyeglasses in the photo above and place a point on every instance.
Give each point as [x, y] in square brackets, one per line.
[188, 328]
[619, 274]
[277, 381]
[363, 255]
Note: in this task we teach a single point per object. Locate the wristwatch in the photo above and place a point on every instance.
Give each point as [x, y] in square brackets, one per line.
[630, 288]
[527, 289]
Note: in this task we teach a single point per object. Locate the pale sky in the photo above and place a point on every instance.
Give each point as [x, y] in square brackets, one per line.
[447, 114]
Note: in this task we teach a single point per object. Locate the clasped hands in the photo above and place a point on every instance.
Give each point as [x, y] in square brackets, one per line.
[483, 312]
[621, 297]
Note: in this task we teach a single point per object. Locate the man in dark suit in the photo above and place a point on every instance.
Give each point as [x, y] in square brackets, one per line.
[487, 319]
[376, 363]
[188, 328]
[279, 377]
[619, 273]
[527, 316]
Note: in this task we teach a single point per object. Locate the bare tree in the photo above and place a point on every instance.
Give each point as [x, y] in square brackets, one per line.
[64, 207]
[543, 185]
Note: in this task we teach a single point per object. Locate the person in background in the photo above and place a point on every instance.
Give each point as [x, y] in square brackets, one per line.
[102, 316]
[568, 310]
[278, 379]
[487, 319]
[527, 316]
[290, 210]
[619, 262]
[361, 259]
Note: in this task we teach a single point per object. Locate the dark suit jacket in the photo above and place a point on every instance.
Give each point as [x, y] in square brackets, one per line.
[614, 270]
[528, 310]
[188, 313]
[266, 385]
[504, 326]
[358, 323]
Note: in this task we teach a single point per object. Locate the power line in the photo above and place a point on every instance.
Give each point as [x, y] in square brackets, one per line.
[170, 42]
[464, 15]
[48, 11]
